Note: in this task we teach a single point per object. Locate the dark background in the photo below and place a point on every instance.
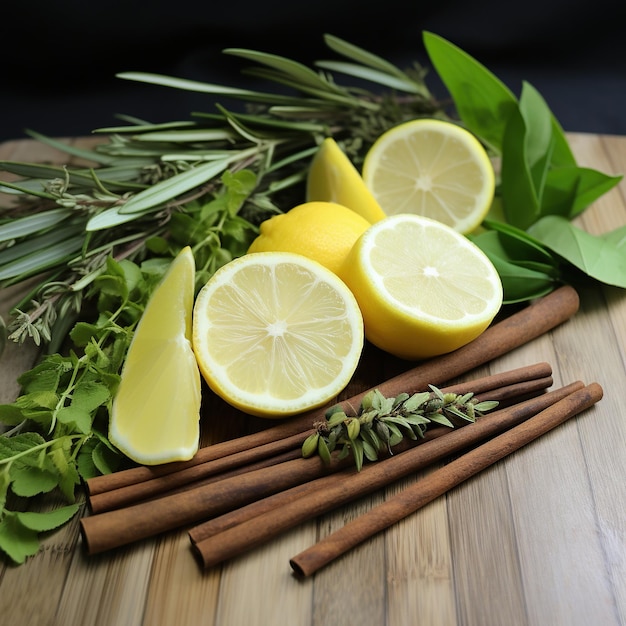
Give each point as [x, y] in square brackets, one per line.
[59, 60]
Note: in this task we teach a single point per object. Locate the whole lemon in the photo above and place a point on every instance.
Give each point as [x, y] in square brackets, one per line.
[322, 231]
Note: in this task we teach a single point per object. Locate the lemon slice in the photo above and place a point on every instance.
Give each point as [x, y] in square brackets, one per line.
[424, 289]
[432, 168]
[333, 178]
[276, 333]
[156, 410]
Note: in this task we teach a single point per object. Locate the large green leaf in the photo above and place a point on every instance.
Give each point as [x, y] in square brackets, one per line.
[600, 257]
[483, 102]
[570, 190]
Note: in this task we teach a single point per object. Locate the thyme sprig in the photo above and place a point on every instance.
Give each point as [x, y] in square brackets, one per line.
[382, 423]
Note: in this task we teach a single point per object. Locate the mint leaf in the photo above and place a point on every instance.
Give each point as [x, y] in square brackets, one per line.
[11, 415]
[5, 481]
[38, 400]
[45, 376]
[19, 532]
[17, 541]
[48, 520]
[60, 455]
[105, 459]
[28, 481]
[11, 447]
[83, 333]
[76, 418]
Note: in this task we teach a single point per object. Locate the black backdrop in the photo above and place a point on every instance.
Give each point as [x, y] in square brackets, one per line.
[59, 60]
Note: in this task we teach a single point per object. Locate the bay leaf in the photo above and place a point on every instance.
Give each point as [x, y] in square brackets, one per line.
[600, 257]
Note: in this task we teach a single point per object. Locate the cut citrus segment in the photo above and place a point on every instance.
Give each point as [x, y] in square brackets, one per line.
[424, 289]
[432, 168]
[156, 410]
[276, 334]
[332, 177]
[322, 231]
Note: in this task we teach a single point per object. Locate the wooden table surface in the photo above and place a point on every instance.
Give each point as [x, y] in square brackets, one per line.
[539, 538]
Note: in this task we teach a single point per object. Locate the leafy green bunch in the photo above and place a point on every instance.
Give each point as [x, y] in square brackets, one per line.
[382, 423]
[70, 218]
[96, 233]
[530, 237]
[59, 423]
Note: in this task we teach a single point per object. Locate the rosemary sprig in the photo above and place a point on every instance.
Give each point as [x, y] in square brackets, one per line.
[382, 423]
[146, 176]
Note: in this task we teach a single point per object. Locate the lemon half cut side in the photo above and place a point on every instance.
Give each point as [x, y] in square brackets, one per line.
[424, 289]
[155, 416]
[276, 334]
[432, 168]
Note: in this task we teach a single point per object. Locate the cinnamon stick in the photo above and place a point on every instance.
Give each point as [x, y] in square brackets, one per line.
[500, 387]
[234, 533]
[440, 481]
[502, 337]
[119, 527]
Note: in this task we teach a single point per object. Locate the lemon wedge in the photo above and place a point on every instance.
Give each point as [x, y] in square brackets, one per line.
[156, 410]
[332, 177]
[432, 168]
[423, 288]
[276, 333]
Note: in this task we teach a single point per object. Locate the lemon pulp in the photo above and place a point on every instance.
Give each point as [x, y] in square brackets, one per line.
[432, 168]
[423, 288]
[276, 333]
[156, 410]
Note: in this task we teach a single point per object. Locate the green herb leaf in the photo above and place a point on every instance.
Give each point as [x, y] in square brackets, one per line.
[570, 190]
[31, 224]
[483, 102]
[16, 540]
[168, 189]
[19, 532]
[598, 257]
[519, 283]
[49, 520]
[28, 481]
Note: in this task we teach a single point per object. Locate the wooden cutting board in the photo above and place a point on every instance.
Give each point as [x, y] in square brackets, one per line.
[539, 538]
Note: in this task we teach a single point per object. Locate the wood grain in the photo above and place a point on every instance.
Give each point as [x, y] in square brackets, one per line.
[539, 538]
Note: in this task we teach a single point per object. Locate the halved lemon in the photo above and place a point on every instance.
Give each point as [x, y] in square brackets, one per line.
[432, 168]
[423, 288]
[276, 333]
[156, 410]
[332, 177]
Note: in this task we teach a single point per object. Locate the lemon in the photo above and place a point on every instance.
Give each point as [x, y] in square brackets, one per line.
[276, 333]
[332, 177]
[156, 410]
[423, 288]
[432, 168]
[322, 231]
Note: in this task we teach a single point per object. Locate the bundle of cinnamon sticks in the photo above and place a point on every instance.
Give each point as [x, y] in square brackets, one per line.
[237, 494]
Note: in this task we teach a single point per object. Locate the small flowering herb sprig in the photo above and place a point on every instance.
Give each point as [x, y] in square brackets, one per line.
[382, 423]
